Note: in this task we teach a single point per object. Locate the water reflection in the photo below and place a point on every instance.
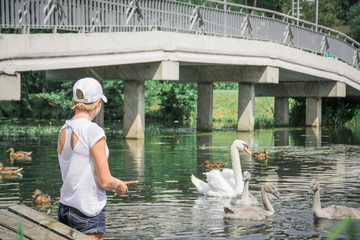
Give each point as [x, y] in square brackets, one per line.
[166, 205]
[313, 137]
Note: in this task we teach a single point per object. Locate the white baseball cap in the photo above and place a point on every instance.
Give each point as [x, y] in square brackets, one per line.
[91, 90]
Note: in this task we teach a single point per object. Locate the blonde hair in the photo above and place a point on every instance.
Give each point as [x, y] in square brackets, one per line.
[82, 106]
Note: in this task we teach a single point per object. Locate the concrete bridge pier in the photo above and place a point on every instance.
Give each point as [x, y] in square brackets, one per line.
[313, 111]
[281, 115]
[134, 109]
[204, 106]
[246, 107]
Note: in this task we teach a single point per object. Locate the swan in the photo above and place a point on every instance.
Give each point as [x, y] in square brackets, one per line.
[225, 183]
[333, 211]
[253, 212]
[245, 198]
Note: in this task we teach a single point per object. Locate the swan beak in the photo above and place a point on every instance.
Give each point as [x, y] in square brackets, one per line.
[246, 149]
[276, 195]
[310, 190]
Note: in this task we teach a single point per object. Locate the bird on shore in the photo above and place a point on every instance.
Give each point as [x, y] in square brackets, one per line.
[254, 212]
[225, 183]
[333, 211]
[9, 170]
[40, 199]
[18, 154]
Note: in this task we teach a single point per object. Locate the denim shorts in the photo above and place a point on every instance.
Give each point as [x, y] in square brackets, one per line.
[76, 219]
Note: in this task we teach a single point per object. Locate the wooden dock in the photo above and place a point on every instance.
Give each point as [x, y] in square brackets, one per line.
[21, 222]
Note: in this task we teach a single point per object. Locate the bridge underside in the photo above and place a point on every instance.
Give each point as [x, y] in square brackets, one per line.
[261, 69]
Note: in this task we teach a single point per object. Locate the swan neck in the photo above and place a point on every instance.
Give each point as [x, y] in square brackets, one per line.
[235, 160]
[245, 195]
[266, 202]
[317, 202]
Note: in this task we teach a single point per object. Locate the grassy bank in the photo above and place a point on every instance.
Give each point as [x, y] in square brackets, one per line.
[225, 109]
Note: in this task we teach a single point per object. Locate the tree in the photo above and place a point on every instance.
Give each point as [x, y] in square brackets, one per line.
[354, 21]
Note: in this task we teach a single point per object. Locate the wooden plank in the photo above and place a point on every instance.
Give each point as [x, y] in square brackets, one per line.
[6, 234]
[47, 222]
[30, 230]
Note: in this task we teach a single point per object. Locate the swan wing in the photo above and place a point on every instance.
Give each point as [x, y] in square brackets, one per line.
[338, 212]
[200, 185]
[220, 185]
[249, 213]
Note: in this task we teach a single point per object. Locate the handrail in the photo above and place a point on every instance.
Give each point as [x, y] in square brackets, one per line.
[175, 16]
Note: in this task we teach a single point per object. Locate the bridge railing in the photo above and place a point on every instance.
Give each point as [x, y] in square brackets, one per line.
[216, 18]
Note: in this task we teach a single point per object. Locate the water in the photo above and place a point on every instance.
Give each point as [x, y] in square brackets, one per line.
[165, 204]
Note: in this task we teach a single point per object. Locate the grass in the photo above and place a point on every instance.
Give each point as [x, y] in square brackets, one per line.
[225, 109]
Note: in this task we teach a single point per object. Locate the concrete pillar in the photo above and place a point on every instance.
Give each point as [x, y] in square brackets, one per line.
[99, 119]
[204, 107]
[281, 115]
[10, 89]
[246, 102]
[134, 109]
[313, 111]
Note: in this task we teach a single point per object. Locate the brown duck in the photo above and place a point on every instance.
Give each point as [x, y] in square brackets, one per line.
[18, 154]
[9, 170]
[260, 156]
[40, 199]
[213, 165]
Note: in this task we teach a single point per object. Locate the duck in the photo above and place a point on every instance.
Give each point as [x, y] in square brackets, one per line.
[333, 211]
[213, 165]
[225, 183]
[253, 212]
[245, 198]
[40, 199]
[9, 170]
[260, 156]
[19, 154]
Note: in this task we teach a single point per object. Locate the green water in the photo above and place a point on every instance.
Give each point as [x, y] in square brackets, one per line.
[166, 205]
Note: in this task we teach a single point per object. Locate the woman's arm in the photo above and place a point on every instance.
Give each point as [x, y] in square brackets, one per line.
[107, 181]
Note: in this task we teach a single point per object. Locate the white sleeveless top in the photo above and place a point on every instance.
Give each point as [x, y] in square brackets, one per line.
[81, 188]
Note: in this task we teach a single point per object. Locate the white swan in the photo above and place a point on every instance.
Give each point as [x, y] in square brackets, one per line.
[253, 212]
[333, 211]
[225, 183]
[245, 198]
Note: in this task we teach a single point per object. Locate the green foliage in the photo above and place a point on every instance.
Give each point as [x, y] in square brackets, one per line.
[297, 112]
[331, 13]
[345, 225]
[337, 111]
[354, 21]
[226, 86]
[39, 98]
[114, 92]
[177, 101]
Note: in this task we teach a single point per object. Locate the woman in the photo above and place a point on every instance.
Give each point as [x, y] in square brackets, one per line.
[83, 159]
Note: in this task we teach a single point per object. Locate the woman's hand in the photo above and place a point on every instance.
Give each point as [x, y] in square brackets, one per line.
[121, 189]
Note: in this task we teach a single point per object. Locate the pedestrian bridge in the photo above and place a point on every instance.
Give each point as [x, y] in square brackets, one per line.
[266, 52]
